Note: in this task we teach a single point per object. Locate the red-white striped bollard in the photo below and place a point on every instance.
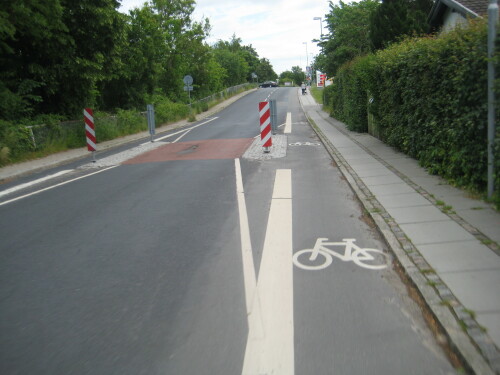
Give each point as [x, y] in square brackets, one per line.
[265, 125]
[90, 131]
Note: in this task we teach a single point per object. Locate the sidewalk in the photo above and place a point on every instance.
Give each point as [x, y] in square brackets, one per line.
[445, 241]
[20, 169]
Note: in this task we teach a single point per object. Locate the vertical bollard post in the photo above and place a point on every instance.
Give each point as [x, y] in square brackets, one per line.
[151, 120]
[265, 125]
[90, 131]
[274, 116]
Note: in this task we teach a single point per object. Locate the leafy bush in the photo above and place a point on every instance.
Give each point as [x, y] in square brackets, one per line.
[429, 101]
[167, 111]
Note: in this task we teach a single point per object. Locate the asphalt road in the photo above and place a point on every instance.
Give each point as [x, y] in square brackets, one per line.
[179, 261]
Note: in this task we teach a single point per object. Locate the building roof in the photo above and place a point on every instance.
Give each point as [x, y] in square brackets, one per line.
[480, 7]
[467, 8]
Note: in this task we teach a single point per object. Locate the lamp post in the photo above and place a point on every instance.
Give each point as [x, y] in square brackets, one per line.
[307, 55]
[320, 25]
[307, 60]
[492, 22]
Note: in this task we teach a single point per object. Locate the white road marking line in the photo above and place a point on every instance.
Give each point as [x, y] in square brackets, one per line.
[288, 126]
[53, 186]
[182, 131]
[178, 139]
[28, 184]
[246, 244]
[270, 343]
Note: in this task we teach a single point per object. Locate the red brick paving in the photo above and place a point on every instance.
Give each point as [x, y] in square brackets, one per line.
[195, 150]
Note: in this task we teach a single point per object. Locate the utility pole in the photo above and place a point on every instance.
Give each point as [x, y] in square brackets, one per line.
[492, 22]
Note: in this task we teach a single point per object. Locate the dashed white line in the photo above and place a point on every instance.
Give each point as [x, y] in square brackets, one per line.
[288, 123]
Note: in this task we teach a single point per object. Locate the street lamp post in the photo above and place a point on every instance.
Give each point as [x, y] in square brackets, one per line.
[307, 60]
[307, 55]
[320, 25]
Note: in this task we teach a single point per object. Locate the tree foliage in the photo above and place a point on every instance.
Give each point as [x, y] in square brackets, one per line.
[59, 56]
[394, 19]
[349, 33]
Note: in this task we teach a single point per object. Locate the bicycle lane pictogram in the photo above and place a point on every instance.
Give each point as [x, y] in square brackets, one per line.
[307, 259]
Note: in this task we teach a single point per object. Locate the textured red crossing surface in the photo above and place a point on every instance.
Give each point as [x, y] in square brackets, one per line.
[195, 150]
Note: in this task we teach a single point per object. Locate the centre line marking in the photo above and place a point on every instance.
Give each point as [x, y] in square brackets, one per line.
[288, 123]
[270, 343]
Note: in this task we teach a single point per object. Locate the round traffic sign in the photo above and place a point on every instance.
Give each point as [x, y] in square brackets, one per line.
[188, 80]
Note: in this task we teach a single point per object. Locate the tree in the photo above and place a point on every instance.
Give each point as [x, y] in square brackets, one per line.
[33, 40]
[296, 75]
[396, 18]
[349, 33]
[162, 45]
[265, 71]
[231, 56]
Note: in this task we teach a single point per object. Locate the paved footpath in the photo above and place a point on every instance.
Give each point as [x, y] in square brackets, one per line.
[446, 241]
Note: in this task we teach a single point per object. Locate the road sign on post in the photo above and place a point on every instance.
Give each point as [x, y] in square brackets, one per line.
[151, 120]
[265, 125]
[90, 131]
[188, 81]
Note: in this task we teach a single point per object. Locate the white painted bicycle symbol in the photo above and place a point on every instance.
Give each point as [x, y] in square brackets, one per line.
[372, 259]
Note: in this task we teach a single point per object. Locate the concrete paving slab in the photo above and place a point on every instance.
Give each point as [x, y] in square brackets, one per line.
[368, 166]
[492, 321]
[350, 150]
[391, 189]
[470, 287]
[403, 200]
[421, 214]
[460, 256]
[368, 161]
[354, 157]
[372, 172]
[436, 232]
[487, 221]
[408, 168]
[460, 202]
[382, 180]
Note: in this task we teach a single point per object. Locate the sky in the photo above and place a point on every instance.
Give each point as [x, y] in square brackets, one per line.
[279, 30]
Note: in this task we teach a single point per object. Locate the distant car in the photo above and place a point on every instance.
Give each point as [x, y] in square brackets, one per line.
[268, 84]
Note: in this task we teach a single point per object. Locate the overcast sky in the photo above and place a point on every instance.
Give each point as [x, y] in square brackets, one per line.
[277, 29]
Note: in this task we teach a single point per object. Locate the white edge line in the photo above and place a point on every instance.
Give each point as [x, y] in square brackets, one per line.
[54, 186]
[31, 183]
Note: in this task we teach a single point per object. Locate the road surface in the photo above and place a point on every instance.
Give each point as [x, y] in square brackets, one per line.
[180, 260]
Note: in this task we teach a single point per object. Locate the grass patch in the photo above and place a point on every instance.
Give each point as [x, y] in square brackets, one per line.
[317, 93]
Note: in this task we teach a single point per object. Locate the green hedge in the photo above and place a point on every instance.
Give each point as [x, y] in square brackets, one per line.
[429, 100]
